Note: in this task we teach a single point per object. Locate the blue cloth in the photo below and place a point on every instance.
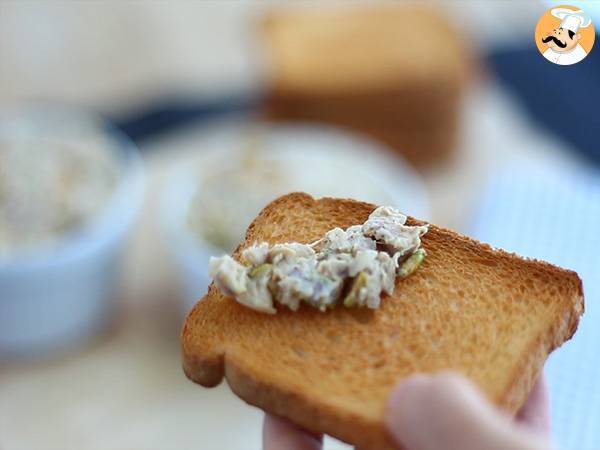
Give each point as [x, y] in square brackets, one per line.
[564, 99]
[554, 215]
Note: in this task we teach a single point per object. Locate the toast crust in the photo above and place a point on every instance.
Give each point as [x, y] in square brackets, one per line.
[222, 339]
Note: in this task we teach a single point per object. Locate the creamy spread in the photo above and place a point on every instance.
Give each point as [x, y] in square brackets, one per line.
[351, 266]
[241, 171]
[52, 184]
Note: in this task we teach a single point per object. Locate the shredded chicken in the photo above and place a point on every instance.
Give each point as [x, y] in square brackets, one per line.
[353, 265]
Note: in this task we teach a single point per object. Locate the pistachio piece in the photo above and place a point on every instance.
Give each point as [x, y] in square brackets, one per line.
[259, 270]
[412, 263]
[352, 297]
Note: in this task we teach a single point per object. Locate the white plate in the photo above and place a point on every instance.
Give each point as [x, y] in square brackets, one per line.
[320, 160]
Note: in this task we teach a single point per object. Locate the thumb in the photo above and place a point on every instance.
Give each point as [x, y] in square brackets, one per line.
[429, 412]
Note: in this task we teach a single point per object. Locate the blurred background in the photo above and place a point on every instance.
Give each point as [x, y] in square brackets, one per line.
[139, 138]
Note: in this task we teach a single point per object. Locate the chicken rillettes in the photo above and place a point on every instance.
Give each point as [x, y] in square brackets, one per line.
[352, 266]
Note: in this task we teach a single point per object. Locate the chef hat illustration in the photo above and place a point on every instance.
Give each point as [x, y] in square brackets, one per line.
[571, 20]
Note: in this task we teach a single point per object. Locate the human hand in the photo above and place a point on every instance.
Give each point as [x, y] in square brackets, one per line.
[427, 412]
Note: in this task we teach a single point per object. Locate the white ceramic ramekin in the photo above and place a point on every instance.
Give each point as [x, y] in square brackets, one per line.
[56, 298]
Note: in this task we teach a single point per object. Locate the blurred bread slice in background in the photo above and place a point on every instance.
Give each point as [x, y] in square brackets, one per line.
[396, 73]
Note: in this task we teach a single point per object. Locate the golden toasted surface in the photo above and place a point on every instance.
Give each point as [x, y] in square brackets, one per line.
[488, 314]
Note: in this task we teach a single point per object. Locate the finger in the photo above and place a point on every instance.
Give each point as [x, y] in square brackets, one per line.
[535, 413]
[279, 434]
[447, 411]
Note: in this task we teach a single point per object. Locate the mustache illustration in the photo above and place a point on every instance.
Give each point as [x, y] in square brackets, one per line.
[556, 41]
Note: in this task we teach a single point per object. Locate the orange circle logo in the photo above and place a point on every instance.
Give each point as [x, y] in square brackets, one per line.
[564, 35]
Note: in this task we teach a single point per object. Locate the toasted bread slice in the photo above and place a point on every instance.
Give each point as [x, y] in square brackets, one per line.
[485, 313]
[369, 67]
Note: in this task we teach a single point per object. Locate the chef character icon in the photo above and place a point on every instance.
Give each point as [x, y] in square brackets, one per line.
[563, 42]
